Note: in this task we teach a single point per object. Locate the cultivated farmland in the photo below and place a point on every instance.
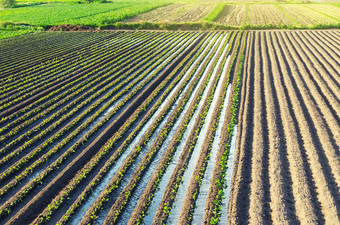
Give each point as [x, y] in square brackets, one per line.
[279, 15]
[176, 13]
[287, 166]
[233, 15]
[131, 127]
[104, 126]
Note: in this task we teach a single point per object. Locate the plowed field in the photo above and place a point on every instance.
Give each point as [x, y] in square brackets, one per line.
[287, 168]
[176, 13]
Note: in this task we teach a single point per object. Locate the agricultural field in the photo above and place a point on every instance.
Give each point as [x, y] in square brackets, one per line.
[279, 15]
[181, 127]
[287, 168]
[117, 127]
[176, 13]
[172, 14]
[77, 14]
[233, 15]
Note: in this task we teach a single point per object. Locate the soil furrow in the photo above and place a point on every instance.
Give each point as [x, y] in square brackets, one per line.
[331, 38]
[325, 124]
[239, 198]
[324, 43]
[326, 59]
[312, 145]
[327, 91]
[326, 37]
[308, 210]
[282, 211]
[259, 186]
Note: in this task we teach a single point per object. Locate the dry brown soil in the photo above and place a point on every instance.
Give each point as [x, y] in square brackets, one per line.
[233, 15]
[287, 168]
[176, 13]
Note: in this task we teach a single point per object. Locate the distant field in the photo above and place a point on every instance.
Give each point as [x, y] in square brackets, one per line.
[234, 14]
[294, 15]
[187, 12]
[84, 14]
[169, 15]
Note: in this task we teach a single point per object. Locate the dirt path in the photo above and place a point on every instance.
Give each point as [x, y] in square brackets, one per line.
[287, 156]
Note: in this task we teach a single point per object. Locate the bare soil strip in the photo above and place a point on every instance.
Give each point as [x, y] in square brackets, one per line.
[327, 58]
[267, 14]
[175, 13]
[292, 139]
[233, 15]
[327, 38]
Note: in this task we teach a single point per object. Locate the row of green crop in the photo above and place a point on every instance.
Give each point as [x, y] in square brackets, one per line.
[94, 162]
[50, 102]
[24, 72]
[6, 208]
[40, 126]
[200, 168]
[212, 16]
[110, 82]
[220, 182]
[26, 45]
[96, 63]
[117, 66]
[89, 63]
[148, 158]
[113, 159]
[176, 180]
[95, 209]
[58, 76]
[31, 77]
[34, 45]
[25, 58]
[165, 206]
[161, 168]
[8, 33]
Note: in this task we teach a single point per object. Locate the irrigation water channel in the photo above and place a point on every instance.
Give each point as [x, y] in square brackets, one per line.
[97, 191]
[182, 190]
[228, 179]
[206, 182]
[149, 172]
[160, 192]
[109, 109]
[85, 108]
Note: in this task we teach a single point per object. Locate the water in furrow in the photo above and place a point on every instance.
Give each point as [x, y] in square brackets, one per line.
[182, 190]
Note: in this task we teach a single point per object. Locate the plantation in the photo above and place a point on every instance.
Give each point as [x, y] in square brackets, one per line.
[128, 126]
[28, 17]
[90, 139]
[169, 112]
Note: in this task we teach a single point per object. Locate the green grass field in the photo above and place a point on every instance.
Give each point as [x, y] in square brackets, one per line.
[77, 14]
